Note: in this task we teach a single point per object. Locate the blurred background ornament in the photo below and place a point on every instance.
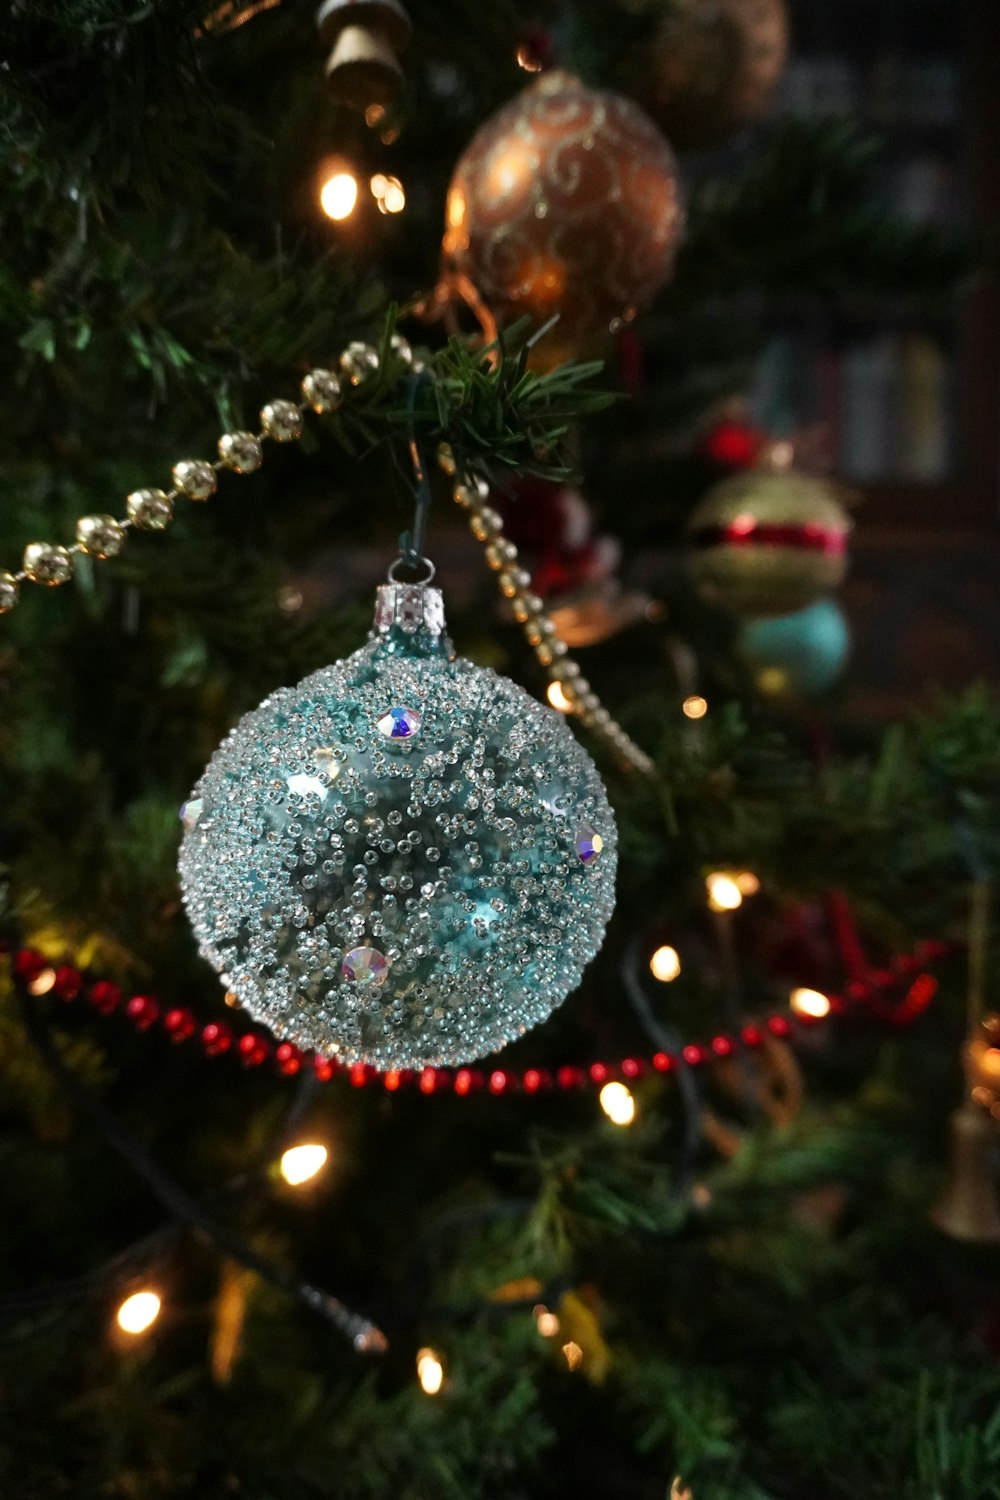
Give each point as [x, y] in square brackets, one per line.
[405, 860]
[597, 612]
[732, 442]
[566, 202]
[365, 36]
[572, 569]
[967, 1206]
[768, 541]
[712, 67]
[796, 655]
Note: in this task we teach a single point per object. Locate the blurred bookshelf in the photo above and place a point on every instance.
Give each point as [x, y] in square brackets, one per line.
[909, 398]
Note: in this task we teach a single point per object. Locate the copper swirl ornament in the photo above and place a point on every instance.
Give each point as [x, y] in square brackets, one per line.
[566, 202]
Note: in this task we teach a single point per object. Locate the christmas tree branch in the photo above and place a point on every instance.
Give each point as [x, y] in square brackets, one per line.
[187, 1210]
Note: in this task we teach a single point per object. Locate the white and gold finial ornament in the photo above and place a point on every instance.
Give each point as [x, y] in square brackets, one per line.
[365, 37]
[405, 860]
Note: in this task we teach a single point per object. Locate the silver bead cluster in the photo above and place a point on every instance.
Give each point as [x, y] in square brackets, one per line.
[103, 536]
[514, 581]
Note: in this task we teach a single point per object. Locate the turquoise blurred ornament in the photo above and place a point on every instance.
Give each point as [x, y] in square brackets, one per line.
[406, 860]
[797, 655]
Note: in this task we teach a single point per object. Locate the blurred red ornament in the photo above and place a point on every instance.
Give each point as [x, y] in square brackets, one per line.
[566, 202]
[733, 444]
[558, 574]
[541, 517]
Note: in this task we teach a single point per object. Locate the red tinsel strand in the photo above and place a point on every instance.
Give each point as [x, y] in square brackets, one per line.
[877, 991]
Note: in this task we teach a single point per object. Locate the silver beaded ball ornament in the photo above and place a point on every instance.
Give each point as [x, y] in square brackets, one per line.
[405, 860]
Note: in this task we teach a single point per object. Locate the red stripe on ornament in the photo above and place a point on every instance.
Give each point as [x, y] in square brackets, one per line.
[744, 531]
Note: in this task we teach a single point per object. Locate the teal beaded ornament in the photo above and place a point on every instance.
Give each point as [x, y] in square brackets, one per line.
[406, 860]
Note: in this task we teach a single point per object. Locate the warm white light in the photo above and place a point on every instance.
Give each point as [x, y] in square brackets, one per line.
[394, 199]
[42, 983]
[695, 706]
[809, 1003]
[547, 1323]
[139, 1312]
[748, 883]
[573, 1355]
[290, 600]
[338, 195]
[665, 964]
[388, 193]
[301, 1163]
[723, 892]
[617, 1103]
[430, 1372]
[557, 697]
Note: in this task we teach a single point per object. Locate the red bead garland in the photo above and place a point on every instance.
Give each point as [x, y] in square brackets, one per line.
[877, 991]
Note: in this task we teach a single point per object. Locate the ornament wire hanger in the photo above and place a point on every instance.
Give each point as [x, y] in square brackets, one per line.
[412, 542]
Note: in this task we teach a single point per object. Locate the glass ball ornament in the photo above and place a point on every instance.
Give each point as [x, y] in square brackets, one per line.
[768, 541]
[567, 201]
[800, 655]
[405, 860]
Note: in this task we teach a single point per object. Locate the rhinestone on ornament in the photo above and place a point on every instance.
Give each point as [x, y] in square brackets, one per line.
[359, 362]
[322, 389]
[48, 564]
[399, 723]
[281, 421]
[191, 811]
[8, 592]
[241, 452]
[100, 536]
[589, 844]
[152, 510]
[195, 478]
[365, 966]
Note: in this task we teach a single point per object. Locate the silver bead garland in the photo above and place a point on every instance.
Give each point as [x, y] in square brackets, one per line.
[486, 525]
[241, 452]
[103, 536]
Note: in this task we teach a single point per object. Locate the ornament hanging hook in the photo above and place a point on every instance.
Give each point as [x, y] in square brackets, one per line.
[411, 543]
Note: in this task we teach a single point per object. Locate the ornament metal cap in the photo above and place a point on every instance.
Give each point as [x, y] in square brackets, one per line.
[409, 607]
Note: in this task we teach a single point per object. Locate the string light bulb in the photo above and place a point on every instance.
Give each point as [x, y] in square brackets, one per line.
[617, 1103]
[546, 1322]
[42, 983]
[811, 1003]
[388, 193]
[557, 697]
[694, 706]
[300, 1164]
[723, 892]
[338, 195]
[430, 1372]
[138, 1312]
[665, 964]
[748, 882]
